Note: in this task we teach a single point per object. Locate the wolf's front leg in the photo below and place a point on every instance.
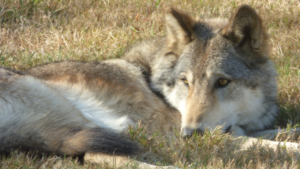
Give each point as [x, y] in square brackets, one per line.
[271, 134]
[247, 143]
[265, 138]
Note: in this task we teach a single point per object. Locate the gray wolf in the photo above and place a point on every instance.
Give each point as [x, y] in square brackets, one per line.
[203, 74]
[213, 71]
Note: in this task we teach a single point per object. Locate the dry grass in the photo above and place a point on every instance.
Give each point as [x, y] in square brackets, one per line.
[39, 31]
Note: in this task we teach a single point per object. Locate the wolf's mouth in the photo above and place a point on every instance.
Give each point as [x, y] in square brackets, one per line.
[189, 132]
[227, 130]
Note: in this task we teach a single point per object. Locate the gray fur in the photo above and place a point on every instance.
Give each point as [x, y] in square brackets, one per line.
[223, 55]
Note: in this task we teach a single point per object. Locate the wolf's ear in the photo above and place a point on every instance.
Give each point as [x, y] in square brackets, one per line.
[180, 30]
[246, 31]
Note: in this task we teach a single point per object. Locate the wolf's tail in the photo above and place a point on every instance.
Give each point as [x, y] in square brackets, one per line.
[70, 142]
[98, 140]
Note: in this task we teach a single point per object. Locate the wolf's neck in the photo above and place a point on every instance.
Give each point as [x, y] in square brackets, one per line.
[144, 54]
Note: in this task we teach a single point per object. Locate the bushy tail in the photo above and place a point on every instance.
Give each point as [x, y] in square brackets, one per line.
[70, 142]
[98, 140]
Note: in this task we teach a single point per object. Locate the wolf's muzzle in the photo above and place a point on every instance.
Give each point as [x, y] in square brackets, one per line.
[189, 132]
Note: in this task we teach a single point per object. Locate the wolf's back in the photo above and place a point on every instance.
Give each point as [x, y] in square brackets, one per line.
[34, 117]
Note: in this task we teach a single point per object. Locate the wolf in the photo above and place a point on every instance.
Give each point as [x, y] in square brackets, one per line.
[202, 74]
[213, 71]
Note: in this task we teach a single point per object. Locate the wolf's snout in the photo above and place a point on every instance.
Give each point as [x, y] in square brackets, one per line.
[189, 132]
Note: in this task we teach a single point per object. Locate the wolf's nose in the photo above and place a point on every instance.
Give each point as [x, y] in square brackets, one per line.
[188, 132]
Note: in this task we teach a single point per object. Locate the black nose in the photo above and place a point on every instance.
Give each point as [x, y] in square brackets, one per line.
[189, 132]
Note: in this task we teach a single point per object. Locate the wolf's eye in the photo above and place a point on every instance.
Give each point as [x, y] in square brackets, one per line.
[185, 82]
[222, 82]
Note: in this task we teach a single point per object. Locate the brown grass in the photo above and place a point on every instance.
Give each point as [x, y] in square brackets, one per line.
[33, 32]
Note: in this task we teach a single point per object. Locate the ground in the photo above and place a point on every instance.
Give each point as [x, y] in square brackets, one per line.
[34, 32]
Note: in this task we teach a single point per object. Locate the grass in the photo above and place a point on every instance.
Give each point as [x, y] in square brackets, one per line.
[34, 32]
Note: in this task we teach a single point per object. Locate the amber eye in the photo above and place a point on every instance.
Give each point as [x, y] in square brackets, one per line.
[185, 81]
[223, 82]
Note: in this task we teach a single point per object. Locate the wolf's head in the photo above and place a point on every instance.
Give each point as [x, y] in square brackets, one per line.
[217, 72]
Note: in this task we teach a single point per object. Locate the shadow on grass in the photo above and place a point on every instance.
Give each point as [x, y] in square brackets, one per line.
[289, 115]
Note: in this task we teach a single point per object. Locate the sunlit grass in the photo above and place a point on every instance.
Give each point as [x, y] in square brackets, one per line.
[34, 32]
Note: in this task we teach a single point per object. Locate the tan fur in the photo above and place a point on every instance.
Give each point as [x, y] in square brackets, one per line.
[130, 89]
